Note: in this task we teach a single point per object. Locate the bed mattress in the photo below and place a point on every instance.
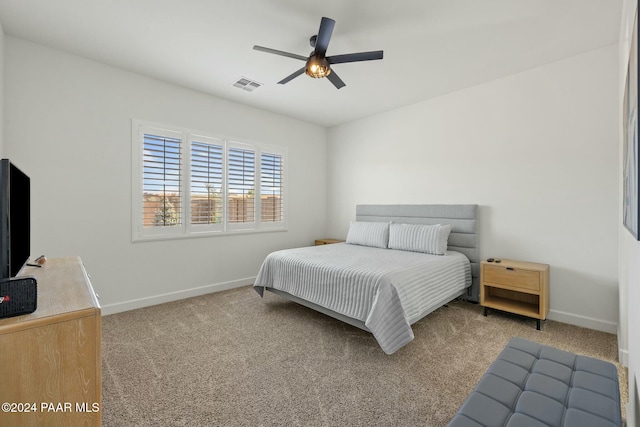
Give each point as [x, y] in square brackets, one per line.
[386, 289]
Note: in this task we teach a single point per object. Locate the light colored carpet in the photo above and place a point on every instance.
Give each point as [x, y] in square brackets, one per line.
[233, 359]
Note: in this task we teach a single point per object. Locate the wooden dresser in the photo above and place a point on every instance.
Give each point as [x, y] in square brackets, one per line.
[50, 360]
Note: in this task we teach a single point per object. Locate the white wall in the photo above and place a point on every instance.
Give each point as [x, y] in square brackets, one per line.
[537, 151]
[629, 248]
[68, 125]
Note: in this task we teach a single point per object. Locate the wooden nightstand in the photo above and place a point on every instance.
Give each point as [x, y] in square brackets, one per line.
[327, 241]
[516, 287]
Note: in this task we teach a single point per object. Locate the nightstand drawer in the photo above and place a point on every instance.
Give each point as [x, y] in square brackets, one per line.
[320, 242]
[512, 277]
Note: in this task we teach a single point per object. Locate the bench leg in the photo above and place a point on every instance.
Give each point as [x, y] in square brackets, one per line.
[485, 312]
[538, 324]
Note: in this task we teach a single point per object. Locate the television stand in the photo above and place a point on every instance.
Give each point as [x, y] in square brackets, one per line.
[51, 358]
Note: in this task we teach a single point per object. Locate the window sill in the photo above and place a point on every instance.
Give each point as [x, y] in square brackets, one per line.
[164, 237]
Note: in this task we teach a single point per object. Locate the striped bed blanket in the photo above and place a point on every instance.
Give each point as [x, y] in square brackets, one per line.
[387, 289]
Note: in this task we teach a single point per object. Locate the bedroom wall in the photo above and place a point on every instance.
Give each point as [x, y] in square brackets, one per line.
[537, 151]
[68, 125]
[629, 248]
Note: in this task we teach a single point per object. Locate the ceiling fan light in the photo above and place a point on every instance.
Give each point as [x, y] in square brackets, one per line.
[317, 68]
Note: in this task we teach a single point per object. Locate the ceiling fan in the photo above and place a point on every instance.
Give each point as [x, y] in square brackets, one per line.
[317, 64]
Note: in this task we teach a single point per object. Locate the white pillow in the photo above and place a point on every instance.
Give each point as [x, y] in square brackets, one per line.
[430, 239]
[375, 234]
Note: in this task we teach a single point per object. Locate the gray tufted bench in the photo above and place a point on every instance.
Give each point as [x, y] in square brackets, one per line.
[532, 385]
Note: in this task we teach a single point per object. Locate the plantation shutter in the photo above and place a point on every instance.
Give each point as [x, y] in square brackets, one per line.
[241, 167]
[188, 184]
[207, 182]
[161, 181]
[271, 188]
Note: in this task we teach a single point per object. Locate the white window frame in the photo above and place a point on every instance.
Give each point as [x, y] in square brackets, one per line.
[248, 225]
[186, 229]
[205, 228]
[283, 154]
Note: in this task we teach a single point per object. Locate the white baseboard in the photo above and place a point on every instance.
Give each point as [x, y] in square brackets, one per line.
[623, 357]
[623, 353]
[172, 296]
[583, 321]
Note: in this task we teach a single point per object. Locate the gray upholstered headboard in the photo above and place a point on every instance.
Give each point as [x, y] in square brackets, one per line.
[464, 228]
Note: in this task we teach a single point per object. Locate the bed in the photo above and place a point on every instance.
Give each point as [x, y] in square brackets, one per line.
[384, 286]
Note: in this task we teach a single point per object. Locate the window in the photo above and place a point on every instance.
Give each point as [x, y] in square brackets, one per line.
[207, 183]
[241, 202]
[271, 170]
[188, 184]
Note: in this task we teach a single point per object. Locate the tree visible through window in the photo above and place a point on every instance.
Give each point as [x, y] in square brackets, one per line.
[187, 184]
[161, 181]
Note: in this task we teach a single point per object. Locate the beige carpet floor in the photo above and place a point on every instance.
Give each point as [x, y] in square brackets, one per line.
[233, 359]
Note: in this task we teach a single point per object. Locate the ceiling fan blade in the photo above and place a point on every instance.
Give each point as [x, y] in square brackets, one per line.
[280, 52]
[324, 36]
[337, 81]
[292, 76]
[355, 57]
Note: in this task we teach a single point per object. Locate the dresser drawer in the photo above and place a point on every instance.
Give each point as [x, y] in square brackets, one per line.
[512, 277]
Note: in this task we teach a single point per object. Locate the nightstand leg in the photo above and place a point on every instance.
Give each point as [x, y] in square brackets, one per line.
[538, 324]
[485, 312]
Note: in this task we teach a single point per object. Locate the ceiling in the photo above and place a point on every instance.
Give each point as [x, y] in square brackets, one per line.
[431, 47]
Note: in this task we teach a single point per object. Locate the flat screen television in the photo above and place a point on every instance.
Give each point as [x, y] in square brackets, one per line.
[15, 225]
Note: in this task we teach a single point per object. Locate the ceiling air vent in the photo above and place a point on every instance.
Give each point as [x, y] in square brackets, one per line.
[247, 84]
